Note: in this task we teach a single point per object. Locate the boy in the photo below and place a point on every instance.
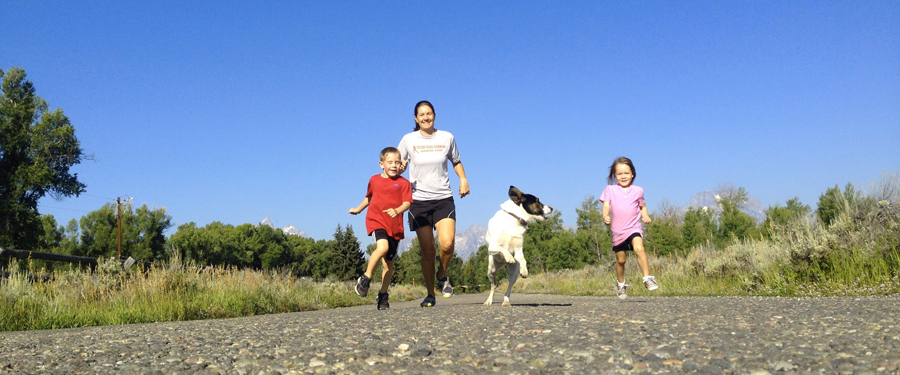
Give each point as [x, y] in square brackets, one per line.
[388, 196]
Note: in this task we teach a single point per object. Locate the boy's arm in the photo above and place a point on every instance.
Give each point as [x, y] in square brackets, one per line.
[358, 209]
[393, 212]
[645, 217]
[606, 218]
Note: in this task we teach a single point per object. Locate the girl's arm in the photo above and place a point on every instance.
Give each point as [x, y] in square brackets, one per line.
[463, 182]
[645, 217]
[606, 218]
[393, 212]
[358, 209]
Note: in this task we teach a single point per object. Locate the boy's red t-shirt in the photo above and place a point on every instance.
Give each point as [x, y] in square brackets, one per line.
[385, 193]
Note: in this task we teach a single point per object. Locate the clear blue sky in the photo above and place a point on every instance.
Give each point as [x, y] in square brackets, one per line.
[234, 111]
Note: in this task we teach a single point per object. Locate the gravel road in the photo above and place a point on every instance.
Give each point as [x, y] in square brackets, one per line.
[538, 334]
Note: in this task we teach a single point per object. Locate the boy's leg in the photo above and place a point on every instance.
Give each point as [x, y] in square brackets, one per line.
[381, 248]
[620, 266]
[637, 243]
[387, 272]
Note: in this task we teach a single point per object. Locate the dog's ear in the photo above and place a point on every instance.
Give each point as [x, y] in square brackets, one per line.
[516, 195]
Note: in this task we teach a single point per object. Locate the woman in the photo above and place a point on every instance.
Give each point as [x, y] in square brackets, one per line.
[427, 151]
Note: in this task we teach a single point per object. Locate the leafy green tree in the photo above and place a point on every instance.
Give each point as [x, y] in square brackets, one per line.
[664, 236]
[699, 227]
[143, 230]
[475, 270]
[52, 235]
[591, 232]
[778, 217]
[733, 223]
[550, 246]
[37, 149]
[833, 203]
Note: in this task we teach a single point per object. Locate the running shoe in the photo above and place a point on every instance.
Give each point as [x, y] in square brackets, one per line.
[621, 291]
[650, 283]
[383, 301]
[446, 288]
[362, 285]
[428, 302]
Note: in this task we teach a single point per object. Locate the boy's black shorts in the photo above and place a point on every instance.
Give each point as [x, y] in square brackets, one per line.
[626, 245]
[381, 234]
[428, 213]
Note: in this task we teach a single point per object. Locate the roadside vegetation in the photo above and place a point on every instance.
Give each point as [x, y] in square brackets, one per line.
[848, 246]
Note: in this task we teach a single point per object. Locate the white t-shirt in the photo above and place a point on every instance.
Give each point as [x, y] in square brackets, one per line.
[428, 157]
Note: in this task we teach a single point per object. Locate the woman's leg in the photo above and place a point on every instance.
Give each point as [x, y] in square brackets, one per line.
[446, 230]
[426, 242]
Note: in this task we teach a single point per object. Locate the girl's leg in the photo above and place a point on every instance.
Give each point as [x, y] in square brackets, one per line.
[381, 248]
[426, 241]
[446, 229]
[638, 244]
[387, 272]
[620, 266]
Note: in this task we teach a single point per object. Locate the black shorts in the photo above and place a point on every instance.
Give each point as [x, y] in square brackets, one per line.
[626, 245]
[381, 234]
[428, 213]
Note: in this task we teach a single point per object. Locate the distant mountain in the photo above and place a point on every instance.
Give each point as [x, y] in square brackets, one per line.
[467, 242]
[708, 199]
[290, 229]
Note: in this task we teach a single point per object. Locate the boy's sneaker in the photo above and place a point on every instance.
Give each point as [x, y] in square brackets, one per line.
[650, 283]
[446, 288]
[428, 302]
[621, 290]
[383, 301]
[362, 285]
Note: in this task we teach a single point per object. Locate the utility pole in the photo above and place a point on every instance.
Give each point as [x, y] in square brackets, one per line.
[119, 224]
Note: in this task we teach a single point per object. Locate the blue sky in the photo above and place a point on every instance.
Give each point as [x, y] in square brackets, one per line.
[235, 111]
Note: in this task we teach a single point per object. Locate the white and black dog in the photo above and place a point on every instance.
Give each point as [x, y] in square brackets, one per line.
[505, 238]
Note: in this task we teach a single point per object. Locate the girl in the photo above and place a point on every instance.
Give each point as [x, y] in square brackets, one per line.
[626, 203]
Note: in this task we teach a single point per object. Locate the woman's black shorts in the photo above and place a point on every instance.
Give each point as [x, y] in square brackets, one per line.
[428, 213]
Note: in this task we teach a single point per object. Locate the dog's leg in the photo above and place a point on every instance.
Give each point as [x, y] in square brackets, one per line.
[513, 275]
[492, 274]
[503, 243]
[523, 266]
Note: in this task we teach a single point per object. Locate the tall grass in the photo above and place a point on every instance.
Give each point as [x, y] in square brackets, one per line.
[168, 292]
[857, 254]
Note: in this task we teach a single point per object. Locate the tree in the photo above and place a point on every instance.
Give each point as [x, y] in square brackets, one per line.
[142, 232]
[833, 203]
[37, 149]
[778, 217]
[591, 232]
[698, 227]
[349, 259]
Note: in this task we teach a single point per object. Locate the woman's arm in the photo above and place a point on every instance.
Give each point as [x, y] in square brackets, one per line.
[463, 181]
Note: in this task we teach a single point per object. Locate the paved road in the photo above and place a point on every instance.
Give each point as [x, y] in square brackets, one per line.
[539, 334]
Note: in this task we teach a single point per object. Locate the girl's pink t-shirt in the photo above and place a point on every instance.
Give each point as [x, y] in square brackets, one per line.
[625, 209]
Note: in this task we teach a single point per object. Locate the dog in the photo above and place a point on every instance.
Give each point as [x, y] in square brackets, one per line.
[505, 238]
